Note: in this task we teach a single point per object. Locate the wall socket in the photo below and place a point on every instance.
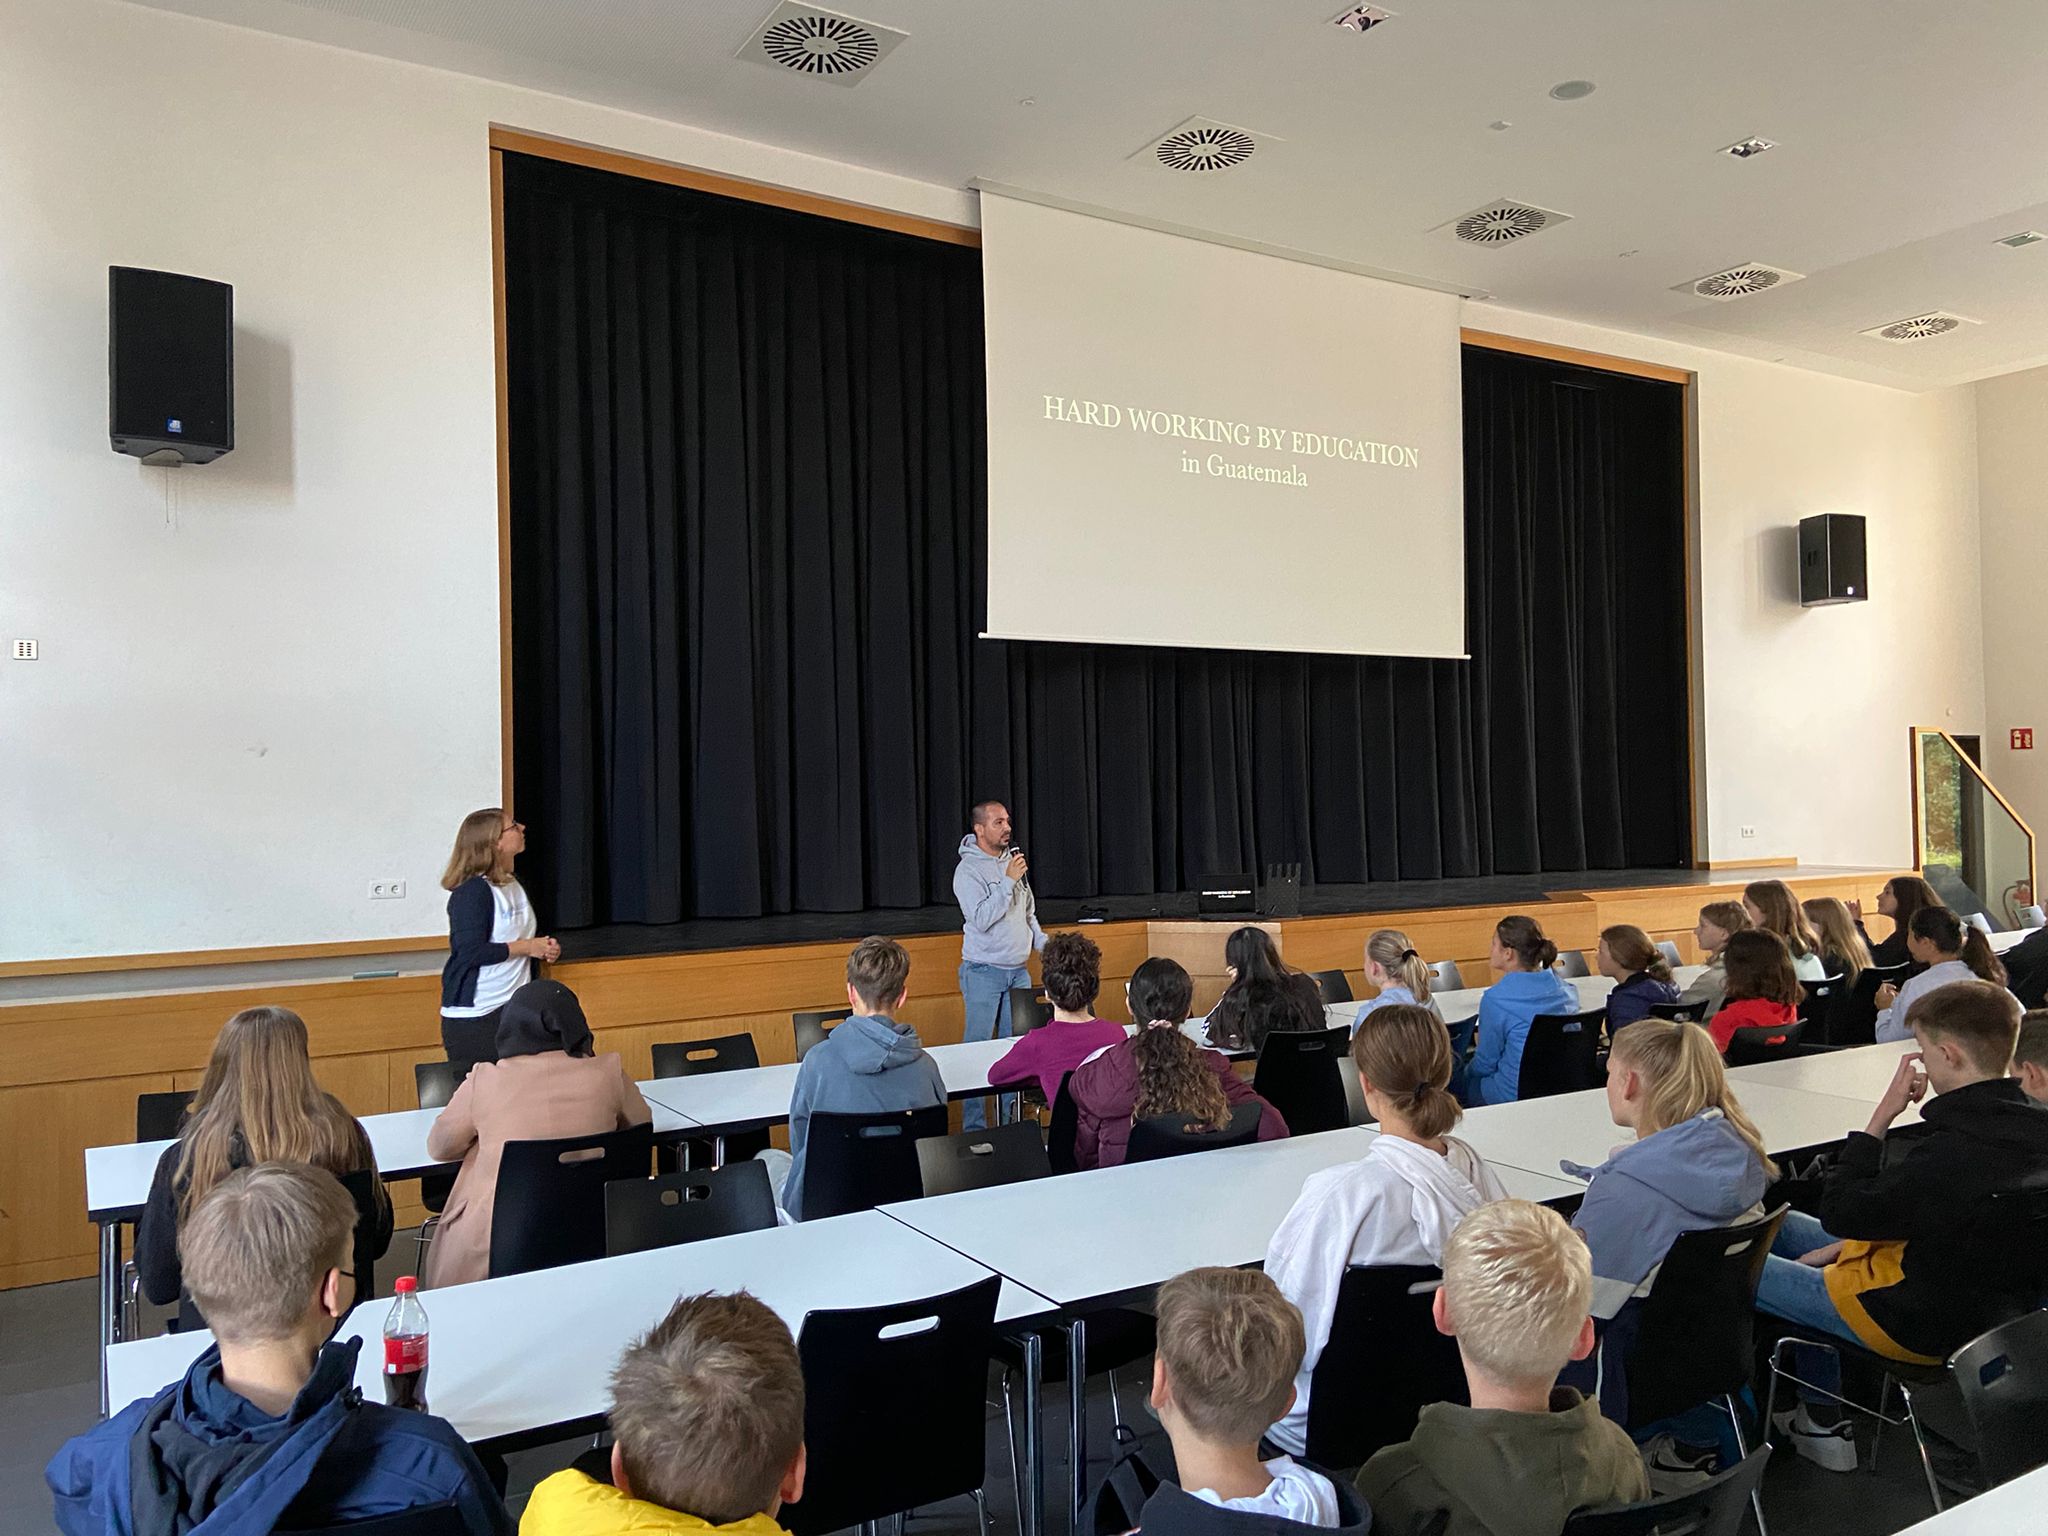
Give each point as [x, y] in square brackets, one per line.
[387, 890]
[1749, 831]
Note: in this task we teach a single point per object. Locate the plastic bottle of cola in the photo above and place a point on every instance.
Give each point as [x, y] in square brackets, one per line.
[405, 1349]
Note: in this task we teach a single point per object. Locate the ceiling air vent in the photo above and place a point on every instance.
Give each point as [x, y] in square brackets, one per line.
[1936, 322]
[822, 44]
[1502, 222]
[1740, 282]
[1202, 144]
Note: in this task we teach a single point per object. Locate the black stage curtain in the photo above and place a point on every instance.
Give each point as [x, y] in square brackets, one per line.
[748, 567]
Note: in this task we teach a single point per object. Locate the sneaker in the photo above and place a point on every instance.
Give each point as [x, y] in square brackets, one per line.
[1831, 1445]
[1673, 1466]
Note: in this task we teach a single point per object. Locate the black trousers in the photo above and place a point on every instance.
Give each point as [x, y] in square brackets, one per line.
[469, 1041]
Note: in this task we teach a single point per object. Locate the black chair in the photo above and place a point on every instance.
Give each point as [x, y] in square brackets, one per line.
[1002, 1154]
[1571, 964]
[428, 1520]
[1300, 1073]
[1335, 986]
[1444, 977]
[1680, 1013]
[1061, 1128]
[1818, 999]
[1764, 1042]
[550, 1200]
[1160, 1136]
[812, 1025]
[686, 1207]
[918, 1367]
[1853, 1020]
[435, 1083]
[857, 1162]
[1028, 1010]
[1561, 1054]
[159, 1116]
[2003, 1378]
[1713, 1508]
[1384, 1363]
[1669, 951]
[692, 1058]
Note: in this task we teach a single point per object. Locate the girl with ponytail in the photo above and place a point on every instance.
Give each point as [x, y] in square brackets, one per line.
[1527, 987]
[1396, 1205]
[1401, 975]
[1641, 975]
[1697, 1161]
[1157, 1071]
[1951, 950]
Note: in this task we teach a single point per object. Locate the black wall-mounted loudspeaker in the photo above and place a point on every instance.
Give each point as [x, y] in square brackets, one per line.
[170, 366]
[1831, 560]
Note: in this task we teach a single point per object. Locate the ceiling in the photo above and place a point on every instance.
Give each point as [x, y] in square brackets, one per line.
[1910, 136]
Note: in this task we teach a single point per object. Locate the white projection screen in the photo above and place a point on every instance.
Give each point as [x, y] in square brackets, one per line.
[1190, 444]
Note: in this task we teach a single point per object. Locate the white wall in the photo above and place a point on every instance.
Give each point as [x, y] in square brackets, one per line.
[269, 681]
[2012, 458]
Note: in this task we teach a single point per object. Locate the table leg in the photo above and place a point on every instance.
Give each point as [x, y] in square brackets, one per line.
[110, 1298]
[1077, 1420]
[1031, 1513]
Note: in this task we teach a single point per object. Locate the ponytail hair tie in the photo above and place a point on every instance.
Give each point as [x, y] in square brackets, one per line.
[1409, 954]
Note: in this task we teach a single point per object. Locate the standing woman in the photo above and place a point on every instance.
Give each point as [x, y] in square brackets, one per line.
[491, 942]
[1772, 907]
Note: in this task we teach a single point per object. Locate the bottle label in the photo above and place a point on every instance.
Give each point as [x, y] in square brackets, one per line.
[406, 1353]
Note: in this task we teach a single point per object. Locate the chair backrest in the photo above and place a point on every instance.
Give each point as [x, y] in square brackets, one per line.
[691, 1058]
[158, 1116]
[1853, 1020]
[1383, 1364]
[1001, 1154]
[1028, 1010]
[2003, 1377]
[1571, 963]
[1335, 986]
[1061, 1128]
[1712, 1508]
[1817, 998]
[436, 1081]
[687, 1207]
[1160, 1136]
[1444, 977]
[812, 1025]
[1300, 1073]
[1679, 1013]
[915, 1369]
[1669, 951]
[550, 1203]
[857, 1162]
[1764, 1042]
[1693, 1335]
[428, 1520]
[1561, 1054]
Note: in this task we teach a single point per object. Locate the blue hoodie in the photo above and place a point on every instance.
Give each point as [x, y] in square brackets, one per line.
[867, 1063]
[1495, 1073]
[1001, 913]
[200, 1460]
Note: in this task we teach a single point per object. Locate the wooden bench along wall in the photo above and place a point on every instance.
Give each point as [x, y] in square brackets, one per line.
[70, 1069]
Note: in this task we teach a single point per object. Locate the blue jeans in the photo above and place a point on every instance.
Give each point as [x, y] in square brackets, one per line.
[1799, 1293]
[985, 990]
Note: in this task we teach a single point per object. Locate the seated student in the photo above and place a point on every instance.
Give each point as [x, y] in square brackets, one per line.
[265, 1430]
[1517, 1295]
[2026, 967]
[1901, 897]
[1157, 1071]
[708, 1425]
[1843, 949]
[1697, 1161]
[1719, 922]
[1073, 976]
[867, 1063]
[548, 1081]
[1229, 1343]
[1527, 987]
[2030, 1056]
[1396, 1205]
[1263, 995]
[1950, 950]
[1401, 975]
[258, 1103]
[1904, 1259]
[1640, 973]
[1760, 987]
[1772, 907]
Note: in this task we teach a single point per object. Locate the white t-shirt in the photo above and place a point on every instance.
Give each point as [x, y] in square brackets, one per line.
[1296, 1493]
[511, 918]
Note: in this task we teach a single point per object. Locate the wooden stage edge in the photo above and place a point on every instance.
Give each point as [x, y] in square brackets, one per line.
[70, 1068]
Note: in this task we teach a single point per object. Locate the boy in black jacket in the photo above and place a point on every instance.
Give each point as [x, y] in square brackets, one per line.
[1908, 1258]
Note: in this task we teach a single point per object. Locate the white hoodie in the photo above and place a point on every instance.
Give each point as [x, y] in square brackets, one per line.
[1396, 1205]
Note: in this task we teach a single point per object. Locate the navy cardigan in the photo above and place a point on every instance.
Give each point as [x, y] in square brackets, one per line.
[471, 915]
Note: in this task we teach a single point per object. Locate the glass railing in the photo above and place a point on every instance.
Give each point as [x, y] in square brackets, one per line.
[1969, 842]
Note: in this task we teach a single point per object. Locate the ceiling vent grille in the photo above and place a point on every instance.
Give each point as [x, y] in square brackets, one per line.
[1740, 282]
[1504, 221]
[1936, 322]
[804, 40]
[1202, 145]
[1361, 18]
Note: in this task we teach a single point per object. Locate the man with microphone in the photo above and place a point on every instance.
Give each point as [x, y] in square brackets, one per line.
[1001, 931]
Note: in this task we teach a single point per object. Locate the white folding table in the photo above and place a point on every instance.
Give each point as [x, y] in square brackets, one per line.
[1463, 1003]
[1860, 1073]
[2013, 1508]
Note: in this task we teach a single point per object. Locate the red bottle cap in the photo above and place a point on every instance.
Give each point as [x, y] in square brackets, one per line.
[406, 1284]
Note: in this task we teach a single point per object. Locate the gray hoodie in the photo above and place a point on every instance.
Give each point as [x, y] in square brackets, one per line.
[1002, 918]
[864, 1064]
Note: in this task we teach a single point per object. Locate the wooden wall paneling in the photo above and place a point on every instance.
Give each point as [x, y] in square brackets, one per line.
[43, 1230]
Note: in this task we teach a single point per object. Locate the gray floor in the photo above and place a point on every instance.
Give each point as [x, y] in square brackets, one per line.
[49, 1391]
